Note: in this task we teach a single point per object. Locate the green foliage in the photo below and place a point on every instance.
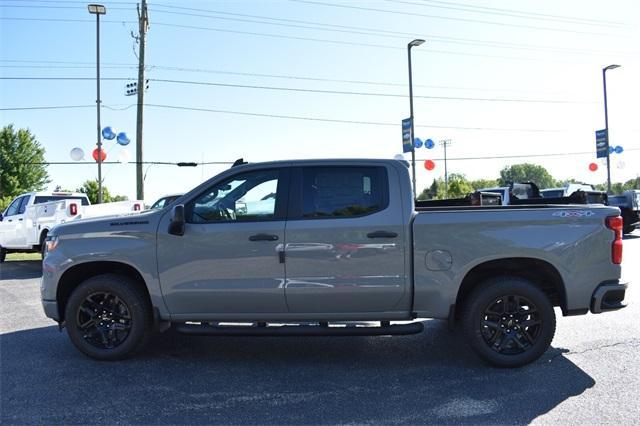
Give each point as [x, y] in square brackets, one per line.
[90, 187]
[483, 183]
[459, 187]
[526, 172]
[18, 151]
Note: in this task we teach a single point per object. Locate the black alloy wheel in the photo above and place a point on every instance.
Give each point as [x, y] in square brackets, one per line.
[511, 324]
[104, 320]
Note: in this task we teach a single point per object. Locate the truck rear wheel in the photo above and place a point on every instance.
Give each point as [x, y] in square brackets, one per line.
[3, 254]
[107, 317]
[508, 321]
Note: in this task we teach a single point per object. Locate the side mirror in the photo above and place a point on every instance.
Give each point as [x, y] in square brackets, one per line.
[176, 226]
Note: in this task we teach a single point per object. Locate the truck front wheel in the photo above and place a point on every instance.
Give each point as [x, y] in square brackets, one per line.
[508, 321]
[107, 317]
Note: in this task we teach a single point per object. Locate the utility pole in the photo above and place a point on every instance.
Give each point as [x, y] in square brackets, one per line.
[143, 25]
[445, 143]
[606, 122]
[98, 9]
[416, 42]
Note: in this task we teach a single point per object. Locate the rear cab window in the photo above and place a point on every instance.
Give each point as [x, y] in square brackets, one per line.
[340, 192]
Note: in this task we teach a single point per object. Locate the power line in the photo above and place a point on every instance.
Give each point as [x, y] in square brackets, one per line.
[449, 18]
[509, 12]
[305, 90]
[300, 38]
[333, 120]
[319, 26]
[54, 65]
[299, 117]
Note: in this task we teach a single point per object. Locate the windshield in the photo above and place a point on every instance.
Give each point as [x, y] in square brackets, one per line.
[552, 193]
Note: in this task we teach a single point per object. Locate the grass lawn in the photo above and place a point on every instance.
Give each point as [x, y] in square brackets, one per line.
[23, 256]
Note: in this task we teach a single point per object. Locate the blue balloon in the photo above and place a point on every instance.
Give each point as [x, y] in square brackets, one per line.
[108, 134]
[417, 142]
[611, 150]
[123, 139]
[429, 144]
[619, 149]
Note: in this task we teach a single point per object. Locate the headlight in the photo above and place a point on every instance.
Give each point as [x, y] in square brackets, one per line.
[51, 242]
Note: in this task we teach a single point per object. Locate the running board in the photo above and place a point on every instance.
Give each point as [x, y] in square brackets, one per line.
[299, 330]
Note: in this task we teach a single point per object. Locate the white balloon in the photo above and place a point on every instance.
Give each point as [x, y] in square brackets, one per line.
[77, 154]
[124, 156]
[603, 161]
[398, 157]
[620, 164]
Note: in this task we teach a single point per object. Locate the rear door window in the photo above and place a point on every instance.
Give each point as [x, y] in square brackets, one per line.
[341, 192]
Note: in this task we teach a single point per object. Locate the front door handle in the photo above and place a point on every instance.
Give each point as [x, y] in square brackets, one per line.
[382, 234]
[263, 237]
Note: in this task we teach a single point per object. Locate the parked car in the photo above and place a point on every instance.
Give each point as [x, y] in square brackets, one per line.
[162, 202]
[340, 240]
[24, 225]
[629, 205]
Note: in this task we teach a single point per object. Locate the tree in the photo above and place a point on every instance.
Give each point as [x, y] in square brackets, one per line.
[483, 183]
[526, 172]
[20, 172]
[90, 187]
[459, 187]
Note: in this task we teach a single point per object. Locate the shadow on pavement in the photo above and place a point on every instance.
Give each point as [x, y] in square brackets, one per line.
[427, 378]
[630, 236]
[20, 269]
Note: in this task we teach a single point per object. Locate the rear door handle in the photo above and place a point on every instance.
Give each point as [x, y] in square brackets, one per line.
[263, 237]
[382, 234]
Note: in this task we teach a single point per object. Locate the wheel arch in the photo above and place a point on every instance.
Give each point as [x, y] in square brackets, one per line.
[540, 272]
[77, 274]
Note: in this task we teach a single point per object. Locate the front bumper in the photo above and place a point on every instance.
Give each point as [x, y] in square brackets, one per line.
[51, 309]
[608, 296]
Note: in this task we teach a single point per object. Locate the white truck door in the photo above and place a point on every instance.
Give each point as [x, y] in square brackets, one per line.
[12, 226]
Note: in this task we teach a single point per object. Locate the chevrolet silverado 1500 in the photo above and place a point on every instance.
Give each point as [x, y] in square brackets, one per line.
[317, 247]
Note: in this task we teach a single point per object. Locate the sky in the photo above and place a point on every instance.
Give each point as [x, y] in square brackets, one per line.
[521, 80]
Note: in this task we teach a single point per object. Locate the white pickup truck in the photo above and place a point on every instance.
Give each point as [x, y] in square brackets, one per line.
[24, 225]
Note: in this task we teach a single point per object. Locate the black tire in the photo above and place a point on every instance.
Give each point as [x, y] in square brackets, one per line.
[122, 327]
[508, 321]
[3, 254]
[628, 229]
[43, 243]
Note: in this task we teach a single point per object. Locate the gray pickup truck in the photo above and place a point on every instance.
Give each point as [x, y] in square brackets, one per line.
[330, 247]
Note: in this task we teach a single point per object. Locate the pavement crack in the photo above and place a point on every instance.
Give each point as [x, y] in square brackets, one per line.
[634, 343]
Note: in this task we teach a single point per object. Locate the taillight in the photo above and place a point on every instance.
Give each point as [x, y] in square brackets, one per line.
[615, 223]
[136, 207]
[73, 209]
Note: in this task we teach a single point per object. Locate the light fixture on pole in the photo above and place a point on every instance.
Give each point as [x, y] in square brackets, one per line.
[416, 42]
[98, 9]
[606, 121]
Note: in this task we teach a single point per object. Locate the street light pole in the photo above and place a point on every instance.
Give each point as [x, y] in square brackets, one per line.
[416, 42]
[606, 121]
[98, 9]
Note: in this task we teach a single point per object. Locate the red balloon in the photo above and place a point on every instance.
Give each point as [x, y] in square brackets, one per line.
[593, 167]
[95, 154]
[429, 165]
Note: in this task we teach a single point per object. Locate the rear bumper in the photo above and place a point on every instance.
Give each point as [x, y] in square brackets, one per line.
[608, 296]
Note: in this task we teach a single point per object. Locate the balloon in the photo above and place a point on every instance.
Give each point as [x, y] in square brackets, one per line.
[618, 149]
[399, 157]
[124, 156]
[603, 161]
[429, 165]
[593, 167]
[95, 154]
[123, 139]
[108, 134]
[429, 144]
[77, 154]
[620, 164]
[417, 142]
[611, 150]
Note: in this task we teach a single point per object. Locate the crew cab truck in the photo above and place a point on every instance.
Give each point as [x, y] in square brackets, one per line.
[303, 247]
[629, 204]
[27, 220]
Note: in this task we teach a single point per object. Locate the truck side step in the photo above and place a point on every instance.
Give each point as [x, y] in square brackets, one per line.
[298, 330]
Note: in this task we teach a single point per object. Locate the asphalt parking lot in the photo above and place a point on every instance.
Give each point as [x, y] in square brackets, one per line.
[591, 375]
